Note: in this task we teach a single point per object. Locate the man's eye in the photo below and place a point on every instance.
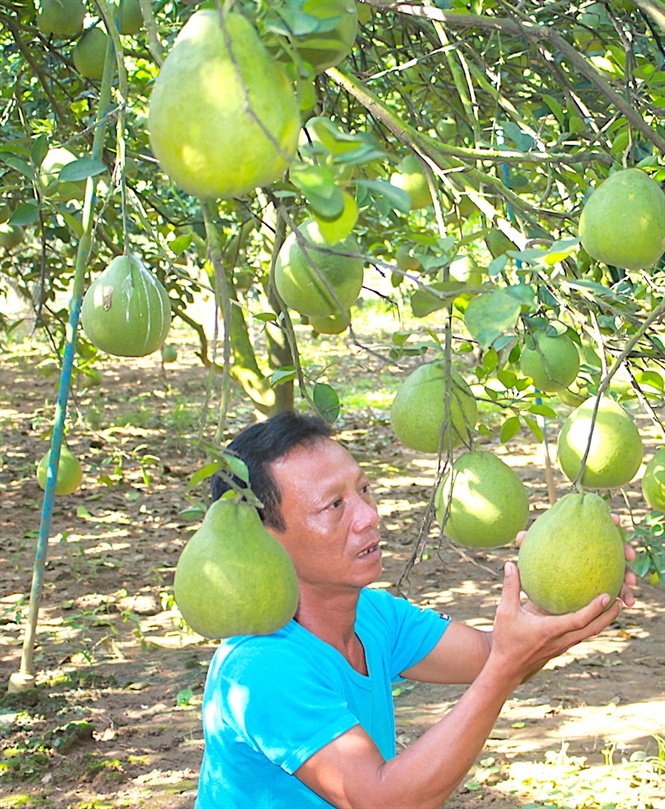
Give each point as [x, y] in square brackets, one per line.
[336, 503]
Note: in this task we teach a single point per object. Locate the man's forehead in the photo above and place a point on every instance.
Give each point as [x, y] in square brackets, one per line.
[321, 459]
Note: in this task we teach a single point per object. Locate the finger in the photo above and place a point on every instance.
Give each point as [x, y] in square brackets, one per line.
[628, 552]
[616, 518]
[511, 585]
[520, 538]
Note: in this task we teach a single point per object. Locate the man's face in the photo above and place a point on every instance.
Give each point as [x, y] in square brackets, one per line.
[331, 519]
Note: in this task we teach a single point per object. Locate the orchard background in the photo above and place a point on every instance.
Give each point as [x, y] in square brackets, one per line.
[517, 112]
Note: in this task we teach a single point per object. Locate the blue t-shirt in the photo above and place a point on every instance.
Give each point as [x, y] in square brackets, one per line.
[271, 702]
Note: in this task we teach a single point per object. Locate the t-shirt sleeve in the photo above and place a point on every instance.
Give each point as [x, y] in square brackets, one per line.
[413, 631]
[292, 713]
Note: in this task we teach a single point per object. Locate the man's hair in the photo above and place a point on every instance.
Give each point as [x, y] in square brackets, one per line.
[265, 442]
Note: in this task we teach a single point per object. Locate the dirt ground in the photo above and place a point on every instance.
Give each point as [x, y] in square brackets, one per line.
[114, 720]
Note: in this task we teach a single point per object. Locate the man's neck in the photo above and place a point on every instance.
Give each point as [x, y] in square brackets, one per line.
[332, 617]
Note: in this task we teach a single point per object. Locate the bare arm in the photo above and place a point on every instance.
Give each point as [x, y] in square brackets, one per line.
[350, 772]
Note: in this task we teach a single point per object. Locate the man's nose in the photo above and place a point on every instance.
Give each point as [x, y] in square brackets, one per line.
[367, 515]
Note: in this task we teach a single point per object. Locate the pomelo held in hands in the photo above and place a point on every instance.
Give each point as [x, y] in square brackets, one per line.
[572, 553]
[126, 310]
[623, 221]
[485, 501]
[233, 577]
[223, 117]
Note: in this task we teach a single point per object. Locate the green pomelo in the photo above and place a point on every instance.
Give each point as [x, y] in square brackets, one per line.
[11, 236]
[552, 362]
[131, 19]
[233, 577]
[5, 212]
[222, 121]
[485, 501]
[304, 271]
[327, 48]
[126, 311]
[332, 324]
[169, 352]
[56, 159]
[418, 410]
[653, 481]
[623, 221]
[575, 394]
[89, 53]
[61, 18]
[616, 448]
[572, 553]
[410, 177]
[69, 475]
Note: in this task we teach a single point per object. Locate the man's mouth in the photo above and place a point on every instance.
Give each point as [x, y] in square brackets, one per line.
[371, 550]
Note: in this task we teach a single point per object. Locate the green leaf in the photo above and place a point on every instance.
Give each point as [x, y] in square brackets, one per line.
[20, 165]
[180, 243]
[326, 401]
[337, 229]
[237, 466]
[27, 213]
[39, 149]
[506, 377]
[398, 198]
[533, 426]
[206, 471]
[318, 185]
[509, 429]
[81, 170]
[542, 410]
[489, 315]
[285, 374]
[425, 301]
[556, 108]
[651, 378]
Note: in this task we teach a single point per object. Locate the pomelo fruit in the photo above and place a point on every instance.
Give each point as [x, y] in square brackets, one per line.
[653, 481]
[418, 411]
[332, 324]
[11, 236]
[623, 221]
[61, 18]
[486, 502]
[616, 448]
[233, 577]
[69, 475]
[222, 121]
[327, 48]
[575, 394]
[298, 271]
[410, 177]
[5, 212]
[572, 553]
[49, 176]
[131, 19]
[126, 311]
[552, 362]
[169, 352]
[89, 53]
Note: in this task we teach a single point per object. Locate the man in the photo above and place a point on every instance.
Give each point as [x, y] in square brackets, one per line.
[304, 717]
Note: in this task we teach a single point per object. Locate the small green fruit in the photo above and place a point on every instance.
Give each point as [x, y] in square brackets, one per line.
[418, 411]
[332, 324]
[484, 499]
[69, 475]
[623, 221]
[653, 481]
[89, 53]
[131, 19]
[169, 352]
[11, 236]
[572, 553]
[616, 448]
[233, 577]
[61, 18]
[410, 177]
[552, 362]
[299, 272]
[126, 310]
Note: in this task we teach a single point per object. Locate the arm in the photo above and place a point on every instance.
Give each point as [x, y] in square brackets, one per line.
[350, 773]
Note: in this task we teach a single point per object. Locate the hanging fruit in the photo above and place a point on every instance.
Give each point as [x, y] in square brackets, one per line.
[126, 311]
